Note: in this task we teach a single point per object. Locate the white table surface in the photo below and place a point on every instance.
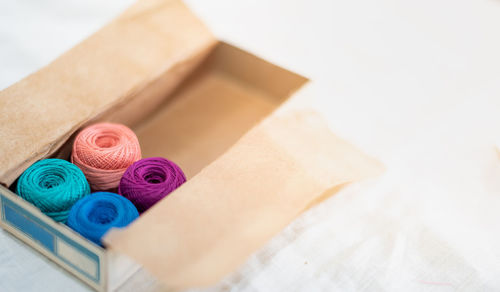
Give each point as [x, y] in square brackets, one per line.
[414, 83]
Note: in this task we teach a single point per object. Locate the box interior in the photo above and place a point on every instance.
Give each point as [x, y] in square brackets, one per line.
[220, 101]
[223, 97]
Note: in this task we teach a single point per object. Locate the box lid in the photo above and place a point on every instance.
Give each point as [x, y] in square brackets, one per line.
[152, 39]
[211, 224]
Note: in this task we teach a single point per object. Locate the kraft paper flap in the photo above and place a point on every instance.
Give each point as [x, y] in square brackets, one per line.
[211, 224]
[154, 40]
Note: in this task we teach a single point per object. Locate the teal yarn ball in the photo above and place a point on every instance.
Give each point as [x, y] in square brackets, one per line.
[94, 215]
[54, 186]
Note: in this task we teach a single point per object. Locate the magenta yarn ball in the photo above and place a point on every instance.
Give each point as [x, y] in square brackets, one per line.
[149, 180]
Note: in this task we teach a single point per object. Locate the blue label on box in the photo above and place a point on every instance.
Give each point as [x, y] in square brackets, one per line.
[75, 255]
[28, 227]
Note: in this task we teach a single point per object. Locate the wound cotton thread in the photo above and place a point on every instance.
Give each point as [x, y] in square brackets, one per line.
[53, 185]
[149, 180]
[103, 152]
[95, 214]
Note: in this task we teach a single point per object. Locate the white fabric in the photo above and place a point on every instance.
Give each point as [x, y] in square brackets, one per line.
[413, 83]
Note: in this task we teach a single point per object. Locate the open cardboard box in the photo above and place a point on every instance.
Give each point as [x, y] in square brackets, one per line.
[191, 99]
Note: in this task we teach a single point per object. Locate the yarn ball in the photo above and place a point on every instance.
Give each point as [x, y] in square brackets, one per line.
[53, 185]
[149, 180]
[103, 152]
[94, 215]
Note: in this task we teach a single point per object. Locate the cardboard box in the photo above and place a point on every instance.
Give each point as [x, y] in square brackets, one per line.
[197, 101]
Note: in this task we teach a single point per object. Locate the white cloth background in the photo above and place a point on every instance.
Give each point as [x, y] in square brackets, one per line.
[413, 83]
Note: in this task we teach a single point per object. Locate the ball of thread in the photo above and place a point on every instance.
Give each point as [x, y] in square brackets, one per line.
[95, 214]
[103, 152]
[149, 180]
[53, 185]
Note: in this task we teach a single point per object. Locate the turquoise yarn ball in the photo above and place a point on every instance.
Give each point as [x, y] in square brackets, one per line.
[94, 215]
[53, 185]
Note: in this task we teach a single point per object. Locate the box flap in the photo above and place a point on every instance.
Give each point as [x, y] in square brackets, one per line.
[147, 50]
[211, 224]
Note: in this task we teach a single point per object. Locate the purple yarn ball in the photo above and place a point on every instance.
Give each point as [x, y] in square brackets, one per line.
[149, 180]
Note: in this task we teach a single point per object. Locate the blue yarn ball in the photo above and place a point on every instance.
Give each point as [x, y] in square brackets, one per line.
[94, 215]
[53, 185]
